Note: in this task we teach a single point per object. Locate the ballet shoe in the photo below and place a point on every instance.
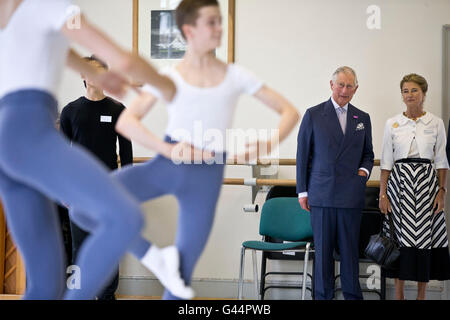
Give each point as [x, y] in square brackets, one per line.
[165, 265]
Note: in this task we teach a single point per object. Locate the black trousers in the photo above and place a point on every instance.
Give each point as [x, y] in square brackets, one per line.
[78, 237]
[66, 233]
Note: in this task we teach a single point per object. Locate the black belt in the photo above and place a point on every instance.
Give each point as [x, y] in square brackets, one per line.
[414, 160]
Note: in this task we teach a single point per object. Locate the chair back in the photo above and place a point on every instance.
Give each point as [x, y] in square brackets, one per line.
[282, 191]
[284, 219]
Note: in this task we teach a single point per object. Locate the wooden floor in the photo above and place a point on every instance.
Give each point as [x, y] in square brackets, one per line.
[119, 297]
[10, 297]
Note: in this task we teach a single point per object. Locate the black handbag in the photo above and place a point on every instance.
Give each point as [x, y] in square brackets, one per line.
[384, 250]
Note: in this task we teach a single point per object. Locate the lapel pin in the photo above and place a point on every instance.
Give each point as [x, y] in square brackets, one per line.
[355, 117]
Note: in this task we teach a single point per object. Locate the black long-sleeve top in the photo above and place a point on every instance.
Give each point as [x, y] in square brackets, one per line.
[92, 125]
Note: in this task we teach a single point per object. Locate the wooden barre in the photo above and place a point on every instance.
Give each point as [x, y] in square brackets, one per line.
[265, 182]
[279, 182]
[231, 162]
[280, 162]
[259, 162]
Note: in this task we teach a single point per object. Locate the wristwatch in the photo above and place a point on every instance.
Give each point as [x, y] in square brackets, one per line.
[444, 189]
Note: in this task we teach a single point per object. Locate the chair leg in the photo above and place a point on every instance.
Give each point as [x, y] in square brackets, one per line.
[313, 286]
[383, 284]
[335, 278]
[263, 275]
[241, 274]
[305, 270]
[255, 273]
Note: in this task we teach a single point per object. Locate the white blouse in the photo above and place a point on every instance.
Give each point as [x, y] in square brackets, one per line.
[201, 116]
[406, 138]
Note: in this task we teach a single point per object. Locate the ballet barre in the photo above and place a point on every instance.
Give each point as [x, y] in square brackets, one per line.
[231, 162]
[279, 162]
[259, 182]
[254, 182]
[259, 162]
[276, 182]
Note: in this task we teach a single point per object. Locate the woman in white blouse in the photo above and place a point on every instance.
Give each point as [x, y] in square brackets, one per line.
[413, 177]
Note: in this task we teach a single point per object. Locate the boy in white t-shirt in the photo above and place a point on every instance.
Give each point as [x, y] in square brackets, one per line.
[207, 93]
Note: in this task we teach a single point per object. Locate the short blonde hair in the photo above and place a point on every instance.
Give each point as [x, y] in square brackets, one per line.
[417, 79]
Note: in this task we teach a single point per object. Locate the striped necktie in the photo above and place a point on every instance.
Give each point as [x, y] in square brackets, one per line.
[342, 116]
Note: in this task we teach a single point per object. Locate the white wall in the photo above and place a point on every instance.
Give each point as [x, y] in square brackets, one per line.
[112, 16]
[294, 45]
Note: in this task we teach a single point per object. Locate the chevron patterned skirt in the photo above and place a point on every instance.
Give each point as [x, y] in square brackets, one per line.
[424, 254]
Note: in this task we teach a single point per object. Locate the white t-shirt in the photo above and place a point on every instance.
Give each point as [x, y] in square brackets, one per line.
[406, 138]
[33, 51]
[200, 116]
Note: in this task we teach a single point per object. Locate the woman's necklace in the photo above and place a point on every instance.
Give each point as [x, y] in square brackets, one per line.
[416, 118]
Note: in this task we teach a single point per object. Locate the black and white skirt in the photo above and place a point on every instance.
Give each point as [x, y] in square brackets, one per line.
[424, 254]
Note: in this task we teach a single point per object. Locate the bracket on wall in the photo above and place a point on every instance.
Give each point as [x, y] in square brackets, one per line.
[259, 172]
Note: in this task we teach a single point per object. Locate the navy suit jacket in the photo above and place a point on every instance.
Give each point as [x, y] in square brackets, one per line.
[328, 161]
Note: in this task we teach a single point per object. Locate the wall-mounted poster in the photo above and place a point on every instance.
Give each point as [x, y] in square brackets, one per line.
[156, 35]
[166, 40]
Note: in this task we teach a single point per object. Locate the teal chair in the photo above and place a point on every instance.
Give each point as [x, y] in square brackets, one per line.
[284, 219]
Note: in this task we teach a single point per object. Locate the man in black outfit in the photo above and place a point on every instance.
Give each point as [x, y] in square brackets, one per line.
[90, 121]
[64, 220]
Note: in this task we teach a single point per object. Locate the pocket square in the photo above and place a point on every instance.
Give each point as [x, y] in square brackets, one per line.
[360, 126]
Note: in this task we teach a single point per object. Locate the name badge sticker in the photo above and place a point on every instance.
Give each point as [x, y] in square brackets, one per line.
[105, 119]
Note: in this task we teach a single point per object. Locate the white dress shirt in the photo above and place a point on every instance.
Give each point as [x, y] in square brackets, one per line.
[343, 123]
[406, 138]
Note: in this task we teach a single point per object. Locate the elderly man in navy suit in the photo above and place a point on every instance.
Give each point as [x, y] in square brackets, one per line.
[334, 161]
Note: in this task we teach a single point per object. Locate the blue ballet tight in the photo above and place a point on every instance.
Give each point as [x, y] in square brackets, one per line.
[196, 187]
[37, 164]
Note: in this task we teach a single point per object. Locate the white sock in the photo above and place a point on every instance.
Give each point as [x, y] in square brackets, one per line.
[165, 265]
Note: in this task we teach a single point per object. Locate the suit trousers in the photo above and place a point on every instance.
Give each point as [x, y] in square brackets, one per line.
[336, 228]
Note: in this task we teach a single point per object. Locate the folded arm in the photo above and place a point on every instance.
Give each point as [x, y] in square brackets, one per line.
[289, 114]
[130, 126]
